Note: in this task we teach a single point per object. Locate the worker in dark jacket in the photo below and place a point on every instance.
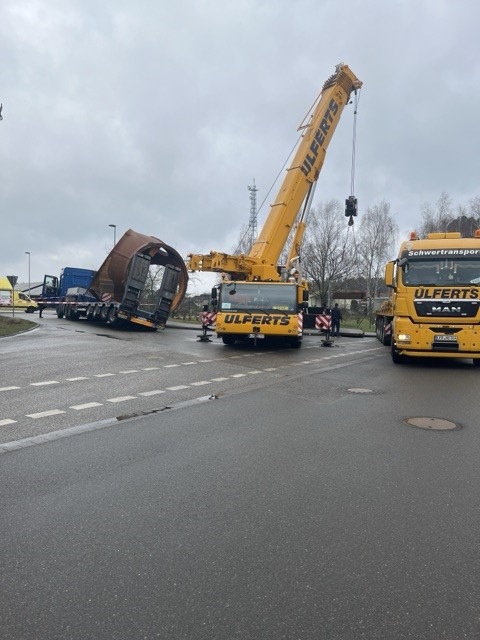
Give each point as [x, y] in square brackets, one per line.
[336, 319]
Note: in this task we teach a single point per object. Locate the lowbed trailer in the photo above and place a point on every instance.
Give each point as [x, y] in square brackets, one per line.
[117, 291]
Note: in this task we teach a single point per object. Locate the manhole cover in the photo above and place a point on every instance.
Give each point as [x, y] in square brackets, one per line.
[434, 424]
[359, 390]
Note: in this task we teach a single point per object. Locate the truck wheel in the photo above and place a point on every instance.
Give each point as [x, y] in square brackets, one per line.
[112, 315]
[396, 357]
[296, 343]
[228, 340]
[476, 362]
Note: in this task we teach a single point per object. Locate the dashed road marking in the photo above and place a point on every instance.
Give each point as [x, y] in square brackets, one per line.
[121, 399]
[45, 414]
[200, 383]
[42, 384]
[130, 371]
[8, 388]
[3, 423]
[77, 378]
[103, 375]
[154, 392]
[178, 387]
[87, 405]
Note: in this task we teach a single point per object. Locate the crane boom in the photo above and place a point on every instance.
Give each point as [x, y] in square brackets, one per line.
[260, 264]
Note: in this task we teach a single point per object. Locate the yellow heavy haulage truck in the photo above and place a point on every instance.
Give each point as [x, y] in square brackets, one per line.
[434, 306]
[259, 299]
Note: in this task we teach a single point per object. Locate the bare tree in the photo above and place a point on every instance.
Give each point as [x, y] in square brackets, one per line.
[327, 256]
[437, 218]
[378, 235]
[444, 217]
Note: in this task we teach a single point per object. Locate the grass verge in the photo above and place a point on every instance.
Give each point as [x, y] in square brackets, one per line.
[11, 326]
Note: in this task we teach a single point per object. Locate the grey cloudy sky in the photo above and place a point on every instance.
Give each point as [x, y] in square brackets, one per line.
[157, 115]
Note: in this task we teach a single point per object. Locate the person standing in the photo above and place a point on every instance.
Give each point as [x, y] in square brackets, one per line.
[336, 319]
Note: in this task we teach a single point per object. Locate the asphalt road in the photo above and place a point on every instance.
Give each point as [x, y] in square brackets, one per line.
[297, 503]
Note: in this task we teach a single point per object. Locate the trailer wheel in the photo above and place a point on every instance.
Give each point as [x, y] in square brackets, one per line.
[104, 313]
[112, 315]
[89, 312]
[60, 312]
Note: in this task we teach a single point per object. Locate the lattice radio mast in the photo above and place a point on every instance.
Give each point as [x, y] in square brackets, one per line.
[252, 223]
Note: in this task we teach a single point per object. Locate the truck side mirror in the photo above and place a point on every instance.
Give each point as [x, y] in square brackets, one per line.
[389, 274]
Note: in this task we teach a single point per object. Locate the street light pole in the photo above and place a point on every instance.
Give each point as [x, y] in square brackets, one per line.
[114, 233]
[28, 254]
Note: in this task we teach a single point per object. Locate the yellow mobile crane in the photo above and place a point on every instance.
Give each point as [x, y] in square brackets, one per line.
[257, 298]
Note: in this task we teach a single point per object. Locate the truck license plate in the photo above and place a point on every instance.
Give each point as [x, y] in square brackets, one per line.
[256, 335]
[446, 338]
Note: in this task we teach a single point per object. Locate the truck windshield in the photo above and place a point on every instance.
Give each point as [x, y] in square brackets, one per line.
[435, 272]
[257, 296]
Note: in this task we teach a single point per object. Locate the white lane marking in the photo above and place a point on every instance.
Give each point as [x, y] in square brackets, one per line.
[188, 363]
[219, 379]
[121, 399]
[271, 369]
[8, 388]
[130, 371]
[103, 375]
[154, 392]
[77, 378]
[238, 375]
[253, 372]
[202, 361]
[199, 384]
[40, 384]
[45, 414]
[170, 366]
[3, 423]
[178, 387]
[87, 405]
[151, 369]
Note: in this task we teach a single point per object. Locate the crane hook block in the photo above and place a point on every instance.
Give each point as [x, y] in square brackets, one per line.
[351, 208]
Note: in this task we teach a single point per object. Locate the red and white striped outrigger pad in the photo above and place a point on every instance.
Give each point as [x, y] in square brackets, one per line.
[323, 322]
[208, 318]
